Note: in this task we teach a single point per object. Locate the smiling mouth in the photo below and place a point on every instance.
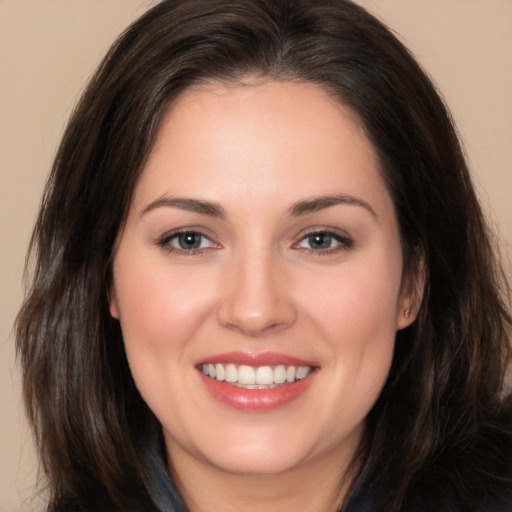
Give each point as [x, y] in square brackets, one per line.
[255, 377]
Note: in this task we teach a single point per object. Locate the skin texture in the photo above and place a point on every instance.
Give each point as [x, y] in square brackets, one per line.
[257, 284]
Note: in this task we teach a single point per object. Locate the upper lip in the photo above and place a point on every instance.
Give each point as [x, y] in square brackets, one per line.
[255, 359]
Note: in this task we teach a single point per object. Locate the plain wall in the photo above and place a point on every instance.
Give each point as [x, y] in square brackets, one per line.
[48, 48]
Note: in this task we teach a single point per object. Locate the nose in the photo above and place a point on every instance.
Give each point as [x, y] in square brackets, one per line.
[256, 298]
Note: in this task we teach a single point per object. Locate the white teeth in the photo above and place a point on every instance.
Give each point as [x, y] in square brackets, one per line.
[246, 375]
[279, 374]
[302, 372]
[219, 370]
[231, 373]
[260, 377]
[290, 374]
[264, 375]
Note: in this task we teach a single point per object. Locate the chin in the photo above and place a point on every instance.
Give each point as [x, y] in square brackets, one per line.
[257, 463]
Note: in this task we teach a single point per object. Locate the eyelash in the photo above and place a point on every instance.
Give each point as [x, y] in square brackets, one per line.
[165, 242]
[343, 242]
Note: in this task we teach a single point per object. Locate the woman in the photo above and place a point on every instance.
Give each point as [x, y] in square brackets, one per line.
[263, 279]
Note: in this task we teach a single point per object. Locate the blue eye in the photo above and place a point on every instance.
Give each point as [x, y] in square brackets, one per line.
[324, 241]
[185, 241]
[320, 241]
[188, 241]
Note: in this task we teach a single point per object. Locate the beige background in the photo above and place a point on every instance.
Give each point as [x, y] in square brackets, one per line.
[48, 48]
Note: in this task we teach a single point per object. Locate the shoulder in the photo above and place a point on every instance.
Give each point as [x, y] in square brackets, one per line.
[498, 504]
[438, 491]
[474, 477]
[465, 498]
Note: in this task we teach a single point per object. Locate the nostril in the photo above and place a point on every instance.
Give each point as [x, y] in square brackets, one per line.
[255, 300]
[256, 323]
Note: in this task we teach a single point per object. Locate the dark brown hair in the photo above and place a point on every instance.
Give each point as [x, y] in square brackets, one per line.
[442, 416]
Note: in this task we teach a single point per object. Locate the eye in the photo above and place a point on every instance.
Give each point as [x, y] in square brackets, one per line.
[190, 242]
[324, 242]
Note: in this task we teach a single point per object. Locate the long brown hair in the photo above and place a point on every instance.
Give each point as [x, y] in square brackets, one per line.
[442, 416]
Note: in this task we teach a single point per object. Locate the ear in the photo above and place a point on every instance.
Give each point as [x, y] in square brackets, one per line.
[112, 301]
[411, 295]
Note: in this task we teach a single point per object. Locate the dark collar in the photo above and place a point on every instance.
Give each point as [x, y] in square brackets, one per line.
[167, 499]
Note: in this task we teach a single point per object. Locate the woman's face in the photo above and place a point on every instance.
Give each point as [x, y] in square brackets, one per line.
[258, 279]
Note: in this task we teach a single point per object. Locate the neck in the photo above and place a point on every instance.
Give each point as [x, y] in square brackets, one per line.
[320, 485]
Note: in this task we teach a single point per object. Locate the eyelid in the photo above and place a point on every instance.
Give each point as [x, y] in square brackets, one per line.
[344, 240]
[164, 241]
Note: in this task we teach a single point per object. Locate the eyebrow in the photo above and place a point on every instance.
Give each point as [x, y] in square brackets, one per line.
[188, 204]
[303, 207]
[315, 204]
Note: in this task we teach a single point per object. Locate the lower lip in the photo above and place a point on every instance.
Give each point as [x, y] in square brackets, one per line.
[256, 399]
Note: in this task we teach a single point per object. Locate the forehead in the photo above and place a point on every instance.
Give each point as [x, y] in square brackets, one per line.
[306, 106]
[260, 139]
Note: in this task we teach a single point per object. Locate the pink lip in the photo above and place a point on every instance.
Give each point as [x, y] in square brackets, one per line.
[255, 359]
[256, 399]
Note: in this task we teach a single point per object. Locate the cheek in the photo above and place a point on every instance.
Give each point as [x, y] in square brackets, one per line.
[359, 301]
[160, 314]
[358, 319]
[156, 304]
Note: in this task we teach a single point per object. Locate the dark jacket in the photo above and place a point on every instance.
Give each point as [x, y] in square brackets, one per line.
[167, 498]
